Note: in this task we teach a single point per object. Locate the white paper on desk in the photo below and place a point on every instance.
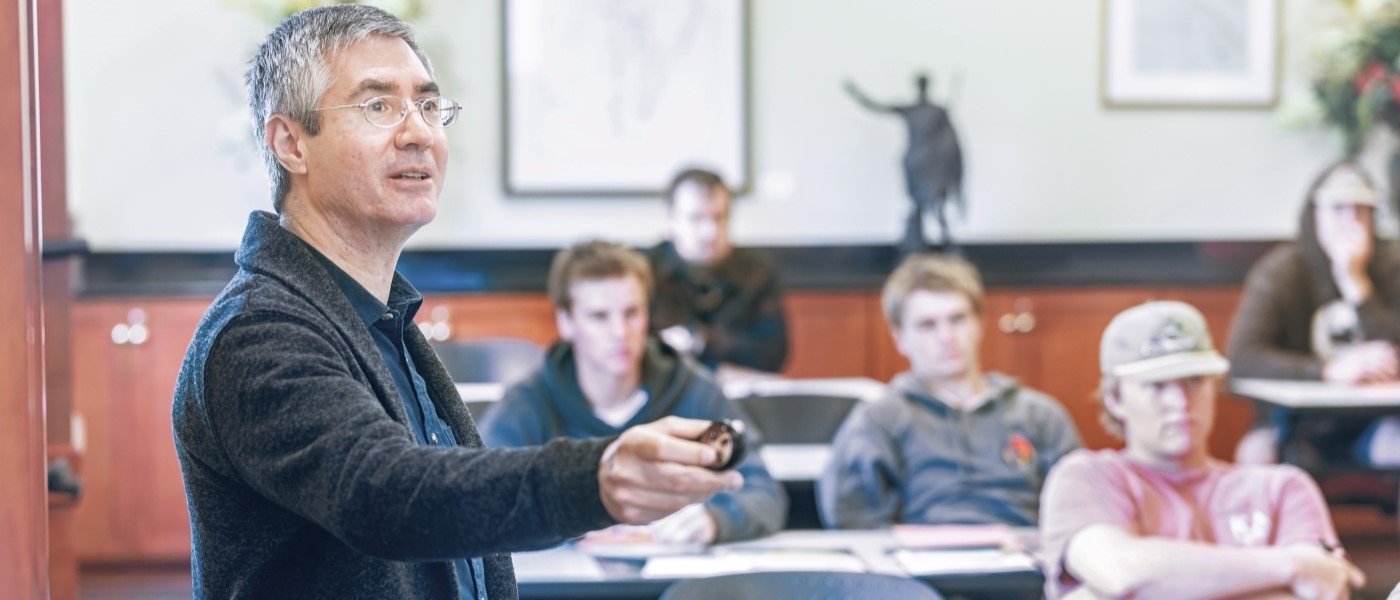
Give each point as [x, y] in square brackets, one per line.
[557, 564]
[938, 562]
[957, 536]
[724, 563]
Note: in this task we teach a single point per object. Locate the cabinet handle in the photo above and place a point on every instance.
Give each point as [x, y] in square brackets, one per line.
[439, 329]
[1025, 322]
[134, 331]
[1007, 323]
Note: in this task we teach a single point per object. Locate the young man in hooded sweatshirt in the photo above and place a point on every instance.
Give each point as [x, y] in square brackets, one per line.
[606, 374]
[948, 443]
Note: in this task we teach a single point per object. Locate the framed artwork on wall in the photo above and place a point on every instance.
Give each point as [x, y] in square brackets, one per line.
[612, 97]
[1190, 53]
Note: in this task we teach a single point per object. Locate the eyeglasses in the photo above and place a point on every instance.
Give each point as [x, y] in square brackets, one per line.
[390, 111]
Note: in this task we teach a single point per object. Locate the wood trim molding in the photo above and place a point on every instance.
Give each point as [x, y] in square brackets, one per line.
[23, 496]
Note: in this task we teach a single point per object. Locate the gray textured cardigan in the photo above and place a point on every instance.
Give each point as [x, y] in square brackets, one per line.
[302, 475]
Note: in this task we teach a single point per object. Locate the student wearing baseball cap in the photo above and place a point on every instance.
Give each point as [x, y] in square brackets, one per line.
[1161, 518]
[1326, 307]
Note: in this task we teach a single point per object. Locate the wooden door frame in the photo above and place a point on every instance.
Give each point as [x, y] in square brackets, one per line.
[23, 488]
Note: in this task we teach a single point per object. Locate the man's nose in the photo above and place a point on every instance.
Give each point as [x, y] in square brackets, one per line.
[617, 326]
[415, 130]
[1174, 395]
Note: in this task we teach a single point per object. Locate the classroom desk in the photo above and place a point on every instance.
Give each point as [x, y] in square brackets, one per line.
[1304, 399]
[1314, 396]
[567, 572]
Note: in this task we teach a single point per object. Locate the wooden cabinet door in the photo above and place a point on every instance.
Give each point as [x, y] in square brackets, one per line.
[829, 334]
[1049, 340]
[127, 355]
[467, 316]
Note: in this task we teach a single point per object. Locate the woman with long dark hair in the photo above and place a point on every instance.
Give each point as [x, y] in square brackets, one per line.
[1324, 308]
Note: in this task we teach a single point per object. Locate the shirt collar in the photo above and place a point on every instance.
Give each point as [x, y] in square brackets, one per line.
[907, 384]
[402, 298]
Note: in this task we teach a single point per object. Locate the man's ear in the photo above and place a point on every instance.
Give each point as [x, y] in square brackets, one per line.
[286, 138]
[565, 324]
[898, 341]
[1113, 402]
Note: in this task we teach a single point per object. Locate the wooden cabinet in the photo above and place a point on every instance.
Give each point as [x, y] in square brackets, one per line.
[828, 334]
[126, 356]
[466, 316]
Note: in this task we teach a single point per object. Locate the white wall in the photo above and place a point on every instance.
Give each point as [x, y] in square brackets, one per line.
[155, 99]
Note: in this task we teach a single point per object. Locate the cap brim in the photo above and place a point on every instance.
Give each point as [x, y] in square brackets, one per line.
[1174, 366]
[1347, 198]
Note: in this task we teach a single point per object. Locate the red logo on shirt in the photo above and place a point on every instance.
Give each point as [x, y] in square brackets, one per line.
[1019, 452]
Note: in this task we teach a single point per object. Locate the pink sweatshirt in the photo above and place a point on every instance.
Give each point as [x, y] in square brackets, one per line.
[1219, 504]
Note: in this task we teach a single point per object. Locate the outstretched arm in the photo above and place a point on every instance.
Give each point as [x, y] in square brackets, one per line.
[864, 100]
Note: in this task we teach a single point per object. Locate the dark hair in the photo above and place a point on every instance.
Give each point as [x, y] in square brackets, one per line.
[593, 260]
[1316, 264]
[704, 178]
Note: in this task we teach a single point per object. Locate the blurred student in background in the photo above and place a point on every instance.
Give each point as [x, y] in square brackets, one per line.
[1162, 519]
[722, 304]
[607, 374]
[1326, 307]
[949, 443]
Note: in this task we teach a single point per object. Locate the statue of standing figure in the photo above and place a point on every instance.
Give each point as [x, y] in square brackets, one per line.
[933, 163]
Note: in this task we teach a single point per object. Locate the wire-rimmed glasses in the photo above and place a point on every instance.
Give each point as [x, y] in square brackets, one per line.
[390, 111]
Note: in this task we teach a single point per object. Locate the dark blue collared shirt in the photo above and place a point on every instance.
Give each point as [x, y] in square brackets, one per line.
[386, 325]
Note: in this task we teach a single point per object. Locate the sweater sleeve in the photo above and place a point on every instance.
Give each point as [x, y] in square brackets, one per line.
[303, 431]
[859, 489]
[1254, 348]
[1379, 315]
[1302, 513]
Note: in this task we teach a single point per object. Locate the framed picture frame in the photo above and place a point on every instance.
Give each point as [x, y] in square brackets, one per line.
[1190, 53]
[612, 98]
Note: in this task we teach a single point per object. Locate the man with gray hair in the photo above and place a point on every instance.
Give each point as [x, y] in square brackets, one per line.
[1161, 518]
[325, 450]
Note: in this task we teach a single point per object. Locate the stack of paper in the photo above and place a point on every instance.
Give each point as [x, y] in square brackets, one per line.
[740, 561]
[938, 562]
[957, 536]
[556, 564]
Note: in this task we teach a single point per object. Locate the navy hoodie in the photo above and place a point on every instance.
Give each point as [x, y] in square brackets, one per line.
[549, 404]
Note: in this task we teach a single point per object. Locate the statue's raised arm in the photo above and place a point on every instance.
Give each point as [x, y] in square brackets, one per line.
[863, 100]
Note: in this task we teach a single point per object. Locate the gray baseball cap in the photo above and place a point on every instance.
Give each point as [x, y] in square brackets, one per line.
[1159, 341]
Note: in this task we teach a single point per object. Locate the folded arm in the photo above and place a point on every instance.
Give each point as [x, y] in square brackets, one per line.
[1114, 564]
